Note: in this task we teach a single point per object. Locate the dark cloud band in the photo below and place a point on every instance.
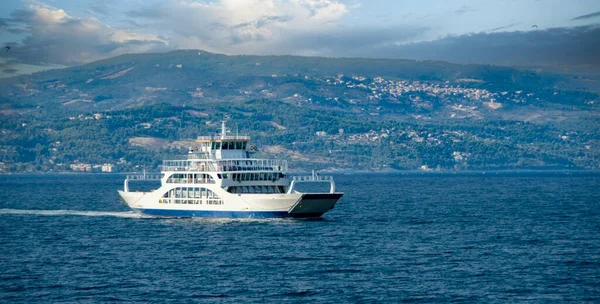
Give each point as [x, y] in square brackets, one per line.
[588, 16]
[551, 47]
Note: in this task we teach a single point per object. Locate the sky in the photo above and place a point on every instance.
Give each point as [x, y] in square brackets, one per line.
[58, 33]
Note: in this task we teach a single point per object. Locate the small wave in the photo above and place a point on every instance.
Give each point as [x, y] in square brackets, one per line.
[203, 296]
[127, 214]
[302, 293]
[342, 271]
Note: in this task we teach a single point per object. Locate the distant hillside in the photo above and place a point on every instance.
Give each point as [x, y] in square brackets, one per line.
[191, 77]
[323, 112]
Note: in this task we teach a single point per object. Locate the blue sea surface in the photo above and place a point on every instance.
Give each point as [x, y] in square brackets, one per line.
[508, 237]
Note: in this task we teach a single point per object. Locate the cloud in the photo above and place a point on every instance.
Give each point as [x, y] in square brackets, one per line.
[349, 42]
[550, 47]
[266, 27]
[502, 27]
[264, 21]
[102, 7]
[240, 26]
[464, 9]
[51, 36]
[12, 67]
[588, 16]
[7, 65]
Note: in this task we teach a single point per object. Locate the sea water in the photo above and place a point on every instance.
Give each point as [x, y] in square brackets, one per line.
[470, 237]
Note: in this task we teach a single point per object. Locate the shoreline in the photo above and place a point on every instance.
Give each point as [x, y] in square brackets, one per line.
[350, 172]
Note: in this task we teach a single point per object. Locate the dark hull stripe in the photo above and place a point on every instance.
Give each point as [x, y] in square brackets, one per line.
[315, 196]
[226, 214]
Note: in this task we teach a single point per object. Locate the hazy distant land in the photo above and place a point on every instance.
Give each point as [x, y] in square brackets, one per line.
[322, 113]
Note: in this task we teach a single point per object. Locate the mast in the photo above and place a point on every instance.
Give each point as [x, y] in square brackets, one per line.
[224, 127]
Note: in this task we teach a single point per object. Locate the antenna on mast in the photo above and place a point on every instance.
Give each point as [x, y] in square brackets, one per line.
[224, 127]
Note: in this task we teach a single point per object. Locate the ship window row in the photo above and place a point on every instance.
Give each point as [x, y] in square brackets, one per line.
[184, 178]
[256, 189]
[254, 176]
[229, 145]
[193, 193]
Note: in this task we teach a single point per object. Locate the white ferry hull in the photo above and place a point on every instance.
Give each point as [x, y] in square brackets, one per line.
[296, 205]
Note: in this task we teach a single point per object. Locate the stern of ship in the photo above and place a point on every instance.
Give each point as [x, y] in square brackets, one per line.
[314, 204]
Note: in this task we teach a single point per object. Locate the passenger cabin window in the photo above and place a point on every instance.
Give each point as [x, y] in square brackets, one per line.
[191, 195]
[190, 178]
[229, 145]
[256, 189]
[256, 176]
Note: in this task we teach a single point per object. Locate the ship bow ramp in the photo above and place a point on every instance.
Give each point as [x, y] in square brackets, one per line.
[314, 204]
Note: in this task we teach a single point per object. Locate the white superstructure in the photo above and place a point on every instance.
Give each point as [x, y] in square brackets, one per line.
[219, 178]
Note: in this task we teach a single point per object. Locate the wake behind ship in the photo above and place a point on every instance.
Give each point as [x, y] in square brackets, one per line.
[220, 179]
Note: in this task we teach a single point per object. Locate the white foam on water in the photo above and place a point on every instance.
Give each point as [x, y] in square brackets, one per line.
[133, 214]
[128, 214]
[222, 221]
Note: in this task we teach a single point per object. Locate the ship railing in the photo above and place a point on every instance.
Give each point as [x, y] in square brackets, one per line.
[232, 165]
[227, 165]
[219, 137]
[314, 178]
[140, 177]
[154, 176]
[188, 165]
[202, 155]
[311, 178]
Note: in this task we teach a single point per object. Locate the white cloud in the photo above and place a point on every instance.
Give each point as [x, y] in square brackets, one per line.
[241, 26]
[53, 36]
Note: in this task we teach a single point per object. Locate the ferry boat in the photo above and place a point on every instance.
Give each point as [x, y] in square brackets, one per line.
[219, 178]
